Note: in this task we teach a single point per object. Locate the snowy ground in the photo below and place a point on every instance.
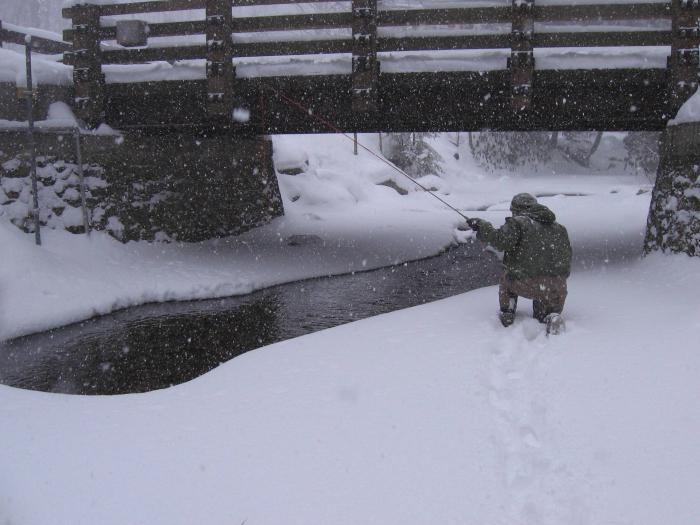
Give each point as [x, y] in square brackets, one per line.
[435, 414]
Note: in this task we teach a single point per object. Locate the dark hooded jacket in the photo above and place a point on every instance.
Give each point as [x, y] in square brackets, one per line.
[532, 242]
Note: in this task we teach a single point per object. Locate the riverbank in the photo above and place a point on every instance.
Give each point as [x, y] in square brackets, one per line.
[340, 217]
[431, 414]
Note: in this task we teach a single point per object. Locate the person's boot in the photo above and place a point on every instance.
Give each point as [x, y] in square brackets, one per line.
[507, 317]
[555, 324]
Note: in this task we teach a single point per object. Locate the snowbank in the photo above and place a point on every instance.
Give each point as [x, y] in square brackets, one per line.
[435, 414]
[46, 69]
[73, 277]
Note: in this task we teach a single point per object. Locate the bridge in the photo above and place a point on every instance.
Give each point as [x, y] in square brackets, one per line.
[499, 67]
[197, 86]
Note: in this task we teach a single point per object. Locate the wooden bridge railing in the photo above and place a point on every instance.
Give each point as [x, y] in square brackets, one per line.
[12, 34]
[365, 22]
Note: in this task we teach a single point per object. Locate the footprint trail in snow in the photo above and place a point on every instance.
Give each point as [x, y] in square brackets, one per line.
[540, 490]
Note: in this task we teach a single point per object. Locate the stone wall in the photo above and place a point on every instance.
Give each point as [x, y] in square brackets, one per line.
[172, 186]
[673, 224]
[183, 187]
[58, 184]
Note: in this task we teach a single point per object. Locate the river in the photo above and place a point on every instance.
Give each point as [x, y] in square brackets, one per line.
[158, 345]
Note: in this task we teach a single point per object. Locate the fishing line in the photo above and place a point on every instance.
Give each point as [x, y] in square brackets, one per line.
[381, 158]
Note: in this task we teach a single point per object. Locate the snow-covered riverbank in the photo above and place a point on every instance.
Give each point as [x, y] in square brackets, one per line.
[435, 414]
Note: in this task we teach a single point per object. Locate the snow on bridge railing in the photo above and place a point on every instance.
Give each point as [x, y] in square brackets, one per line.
[44, 42]
[219, 30]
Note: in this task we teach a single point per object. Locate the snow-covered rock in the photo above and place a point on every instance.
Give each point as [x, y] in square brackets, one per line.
[674, 216]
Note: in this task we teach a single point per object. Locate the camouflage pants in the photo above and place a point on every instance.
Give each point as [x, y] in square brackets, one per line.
[547, 293]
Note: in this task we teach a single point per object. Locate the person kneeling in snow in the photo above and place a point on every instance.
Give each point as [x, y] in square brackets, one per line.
[536, 260]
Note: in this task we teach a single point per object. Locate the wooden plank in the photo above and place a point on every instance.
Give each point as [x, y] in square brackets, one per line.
[443, 101]
[500, 41]
[413, 17]
[306, 47]
[156, 103]
[241, 25]
[154, 54]
[434, 43]
[243, 3]
[598, 13]
[620, 38]
[556, 13]
[311, 47]
[195, 27]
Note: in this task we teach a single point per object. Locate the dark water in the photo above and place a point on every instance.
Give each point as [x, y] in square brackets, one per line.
[155, 346]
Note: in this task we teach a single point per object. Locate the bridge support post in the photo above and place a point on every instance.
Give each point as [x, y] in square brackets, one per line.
[88, 79]
[186, 187]
[365, 66]
[684, 60]
[673, 224]
[522, 60]
[220, 70]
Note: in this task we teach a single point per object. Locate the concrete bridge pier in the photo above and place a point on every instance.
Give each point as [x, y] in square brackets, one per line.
[187, 187]
[673, 224]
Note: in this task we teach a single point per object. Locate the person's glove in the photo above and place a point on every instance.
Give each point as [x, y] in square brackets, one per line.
[474, 224]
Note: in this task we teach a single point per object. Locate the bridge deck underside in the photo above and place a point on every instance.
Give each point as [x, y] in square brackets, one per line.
[619, 99]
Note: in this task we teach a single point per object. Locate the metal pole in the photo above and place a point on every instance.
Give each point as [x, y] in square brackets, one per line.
[30, 139]
[79, 158]
[354, 143]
